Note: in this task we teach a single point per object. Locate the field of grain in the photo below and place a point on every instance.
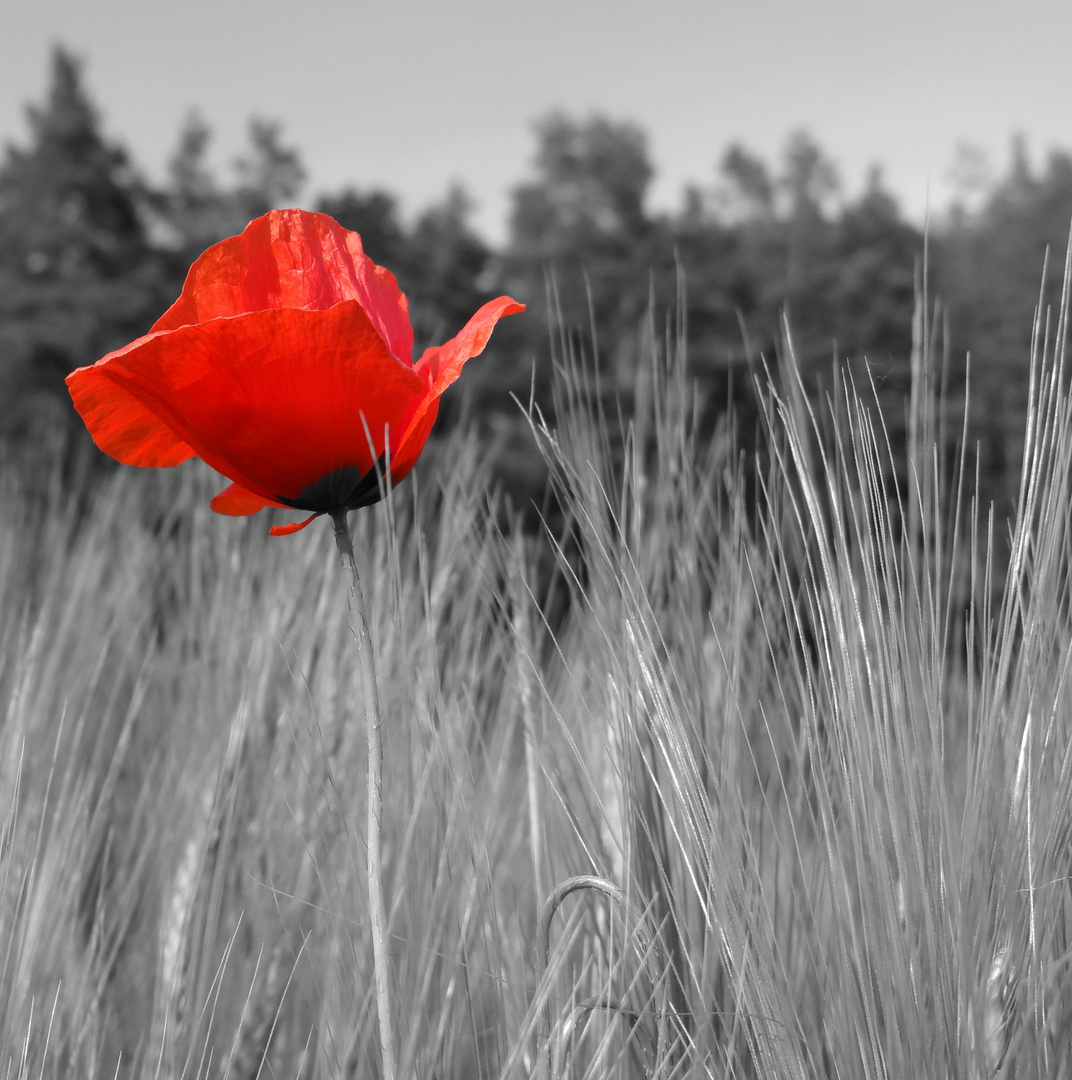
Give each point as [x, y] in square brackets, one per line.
[788, 757]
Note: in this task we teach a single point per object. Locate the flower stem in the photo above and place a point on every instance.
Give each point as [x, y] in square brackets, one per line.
[373, 719]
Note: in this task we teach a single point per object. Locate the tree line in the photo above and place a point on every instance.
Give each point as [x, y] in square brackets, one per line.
[91, 253]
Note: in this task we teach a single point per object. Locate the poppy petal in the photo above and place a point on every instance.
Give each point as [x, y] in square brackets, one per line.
[120, 424]
[442, 364]
[274, 400]
[235, 501]
[417, 432]
[292, 259]
[291, 529]
[439, 367]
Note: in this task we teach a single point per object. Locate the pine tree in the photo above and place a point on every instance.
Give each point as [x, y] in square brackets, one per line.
[76, 273]
[270, 173]
[195, 211]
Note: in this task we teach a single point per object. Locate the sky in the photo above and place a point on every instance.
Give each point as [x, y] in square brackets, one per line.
[414, 96]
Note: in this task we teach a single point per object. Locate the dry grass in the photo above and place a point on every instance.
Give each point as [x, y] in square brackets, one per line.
[829, 844]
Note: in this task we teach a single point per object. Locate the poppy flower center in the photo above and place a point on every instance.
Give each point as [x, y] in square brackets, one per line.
[343, 489]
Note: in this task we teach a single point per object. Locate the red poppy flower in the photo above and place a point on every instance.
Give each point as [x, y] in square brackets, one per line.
[286, 364]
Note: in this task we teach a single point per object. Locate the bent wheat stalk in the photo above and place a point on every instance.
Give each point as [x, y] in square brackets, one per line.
[546, 1060]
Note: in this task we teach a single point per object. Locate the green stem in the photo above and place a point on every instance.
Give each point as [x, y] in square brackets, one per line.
[373, 720]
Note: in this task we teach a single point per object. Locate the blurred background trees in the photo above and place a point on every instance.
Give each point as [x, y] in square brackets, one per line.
[76, 266]
[91, 253]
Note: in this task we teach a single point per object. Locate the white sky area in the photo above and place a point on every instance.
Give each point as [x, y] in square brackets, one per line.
[412, 96]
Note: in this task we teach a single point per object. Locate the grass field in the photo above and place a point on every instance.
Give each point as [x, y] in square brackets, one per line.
[815, 756]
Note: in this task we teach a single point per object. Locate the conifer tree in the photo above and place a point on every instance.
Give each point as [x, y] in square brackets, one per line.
[76, 273]
[196, 212]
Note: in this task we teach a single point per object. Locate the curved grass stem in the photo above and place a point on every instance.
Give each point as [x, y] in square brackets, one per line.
[545, 1057]
[373, 720]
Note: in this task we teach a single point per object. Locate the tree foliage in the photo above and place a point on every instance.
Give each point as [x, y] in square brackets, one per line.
[195, 209]
[990, 262]
[76, 272]
[756, 244]
[583, 217]
[270, 173]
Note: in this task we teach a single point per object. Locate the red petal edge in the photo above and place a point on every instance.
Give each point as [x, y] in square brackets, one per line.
[119, 424]
[236, 501]
[439, 367]
[292, 528]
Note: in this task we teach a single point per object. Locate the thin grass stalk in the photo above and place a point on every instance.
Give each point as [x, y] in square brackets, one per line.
[546, 1057]
[523, 638]
[373, 721]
